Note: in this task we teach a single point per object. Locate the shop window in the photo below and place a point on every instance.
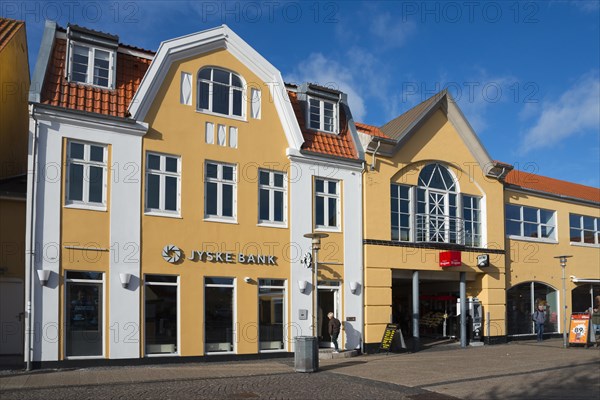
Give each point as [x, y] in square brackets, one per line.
[86, 174]
[218, 315]
[84, 310]
[529, 222]
[322, 115]
[272, 199]
[163, 184]
[271, 316]
[91, 65]
[584, 229]
[160, 314]
[327, 204]
[220, 92]
[522, 300]
[220, 191]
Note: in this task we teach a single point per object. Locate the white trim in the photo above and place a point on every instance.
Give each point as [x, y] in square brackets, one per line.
[220, 182]
[206, 41]
[272, 189]
[91, 66]
[178, 306]
[86, 164]
[162, 174]
[321, 127]
[214, 114]
[584, 244]
[326, 196]
[530, 239]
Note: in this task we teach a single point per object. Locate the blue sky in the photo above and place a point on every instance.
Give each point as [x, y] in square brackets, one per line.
[525, 74]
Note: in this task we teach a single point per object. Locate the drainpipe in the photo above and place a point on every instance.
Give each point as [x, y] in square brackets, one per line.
[372, 167]
[30, 242]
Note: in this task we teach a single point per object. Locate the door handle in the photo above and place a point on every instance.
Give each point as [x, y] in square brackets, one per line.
[20, 316]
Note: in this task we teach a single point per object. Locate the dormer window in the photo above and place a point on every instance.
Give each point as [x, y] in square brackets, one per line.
[322, 115]
[92, 57]
[220, 92]
[91, 65]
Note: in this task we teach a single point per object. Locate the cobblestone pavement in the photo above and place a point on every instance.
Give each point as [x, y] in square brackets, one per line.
[322, 385]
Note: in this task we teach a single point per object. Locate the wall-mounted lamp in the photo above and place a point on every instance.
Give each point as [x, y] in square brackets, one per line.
[247, 279]
[354, 286]
[302, 286]
[43, 275]
[125, 279]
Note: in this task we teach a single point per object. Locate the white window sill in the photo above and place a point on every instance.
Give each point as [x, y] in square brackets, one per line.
[162, 214]
[529, 239]
[86, 206]
[92, 85]
[221, 220]
[327, 229]
[162, 355]
[215, 353]
[267, 224]
[273, 351]
[585, 244]
[214, 114]
[85, 358]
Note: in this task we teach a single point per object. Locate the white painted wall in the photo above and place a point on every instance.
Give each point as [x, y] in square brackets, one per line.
[124, 230]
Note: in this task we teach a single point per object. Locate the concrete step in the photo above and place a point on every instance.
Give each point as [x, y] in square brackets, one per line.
[328, 354]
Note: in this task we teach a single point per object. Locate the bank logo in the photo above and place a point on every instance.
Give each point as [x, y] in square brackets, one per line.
[171, 253]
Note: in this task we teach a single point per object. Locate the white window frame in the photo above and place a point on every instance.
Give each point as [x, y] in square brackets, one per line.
[86, 163]
[471, 222]
[210, 83]
[539, 224]
[581, 230]
[65, 305]
[143, 335]
[234, 313]
[220, 183]
[91, 64]
[271, 188]
[321, 127]
[284, 316]
[327, 196]
[411, 213]
[162, 173]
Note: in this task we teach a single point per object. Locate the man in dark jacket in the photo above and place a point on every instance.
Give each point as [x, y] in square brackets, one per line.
[539, 317]
[334, 330]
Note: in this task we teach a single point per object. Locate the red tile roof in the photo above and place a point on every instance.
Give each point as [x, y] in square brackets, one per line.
[370, 130]
[340, 145]
[57, 91]
[8, 28]
[552, 186]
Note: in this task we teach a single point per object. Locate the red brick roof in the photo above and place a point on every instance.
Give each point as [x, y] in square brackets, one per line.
[57, 91]
[552, 186]
[340, 145]
[370, 130]
[8, 28]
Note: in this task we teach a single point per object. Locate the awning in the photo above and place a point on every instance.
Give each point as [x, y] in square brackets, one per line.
[584, 280]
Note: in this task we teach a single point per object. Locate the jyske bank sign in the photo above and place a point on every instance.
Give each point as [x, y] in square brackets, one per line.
[173, 254]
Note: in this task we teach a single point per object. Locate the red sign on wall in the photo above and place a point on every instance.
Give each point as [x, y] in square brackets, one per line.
[450, 259]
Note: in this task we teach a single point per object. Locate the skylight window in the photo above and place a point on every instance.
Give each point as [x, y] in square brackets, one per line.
[91, 65]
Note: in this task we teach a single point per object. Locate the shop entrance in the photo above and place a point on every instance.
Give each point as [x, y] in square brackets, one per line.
[438, 298]
[328, 302]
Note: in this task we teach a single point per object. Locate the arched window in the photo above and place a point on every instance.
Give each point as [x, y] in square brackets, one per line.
[521, 302]
[220, 92]
[437, 207]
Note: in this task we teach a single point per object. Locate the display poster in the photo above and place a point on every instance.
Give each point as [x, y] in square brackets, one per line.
[579, 329]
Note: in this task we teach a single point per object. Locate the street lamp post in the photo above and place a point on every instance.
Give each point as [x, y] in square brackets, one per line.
[563, 264]
[315, 247]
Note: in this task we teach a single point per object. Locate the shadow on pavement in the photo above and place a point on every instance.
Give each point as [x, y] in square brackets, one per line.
[341, 365]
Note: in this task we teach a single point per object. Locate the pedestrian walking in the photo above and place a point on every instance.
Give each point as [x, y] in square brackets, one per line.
[539, 317]
[334, 330]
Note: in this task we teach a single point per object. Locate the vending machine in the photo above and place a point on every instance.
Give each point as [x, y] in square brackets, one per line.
[474, 318]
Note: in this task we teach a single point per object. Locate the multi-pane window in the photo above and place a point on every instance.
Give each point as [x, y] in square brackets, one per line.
[326, 203]
[529, 222]
[160, 309]
[220, 92]
[401, 212]
[322, 115]
[86, 173]
[220, 190]
[92, 65]
[584, 229]
[271, 315]
[271, 196]
[218, 314]
[163, 181]
[472, 220]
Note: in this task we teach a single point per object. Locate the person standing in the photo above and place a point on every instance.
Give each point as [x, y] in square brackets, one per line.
[539, 317]
[596, 320]
[334, 330]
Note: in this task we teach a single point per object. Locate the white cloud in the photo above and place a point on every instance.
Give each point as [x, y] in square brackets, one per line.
[392, 31]
[587, 5]
[576, 111]
[331, 73]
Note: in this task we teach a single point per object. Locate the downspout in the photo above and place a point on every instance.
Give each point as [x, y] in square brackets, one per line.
[372, 167]
[362, 264]
[30, 240]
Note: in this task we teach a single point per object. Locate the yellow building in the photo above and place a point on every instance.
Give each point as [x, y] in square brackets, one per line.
[14, 80]
[186, 189]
